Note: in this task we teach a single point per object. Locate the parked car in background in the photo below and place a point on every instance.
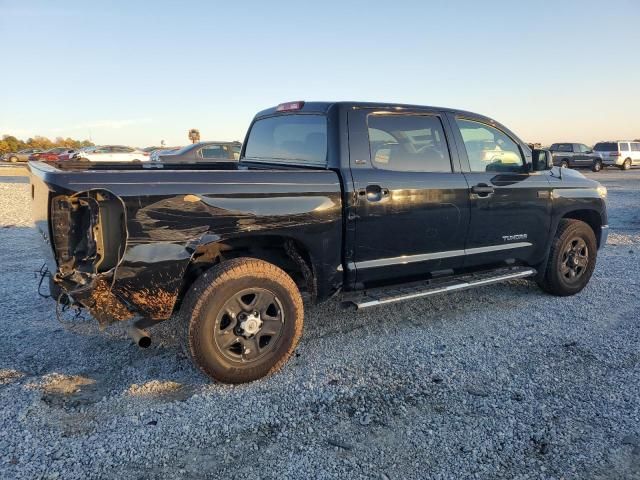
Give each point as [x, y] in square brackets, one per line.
[50, 155]
[20, 156]
[111, 153]
[68, 155]
[574, 155]
[202, 152]
[622, 153]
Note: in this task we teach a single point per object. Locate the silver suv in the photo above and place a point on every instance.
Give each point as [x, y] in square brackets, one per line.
[622, 153]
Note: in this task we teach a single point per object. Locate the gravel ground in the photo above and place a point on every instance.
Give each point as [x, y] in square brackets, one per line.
[498, 382]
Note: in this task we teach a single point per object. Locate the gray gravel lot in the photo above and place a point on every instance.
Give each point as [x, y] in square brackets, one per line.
[498, 382]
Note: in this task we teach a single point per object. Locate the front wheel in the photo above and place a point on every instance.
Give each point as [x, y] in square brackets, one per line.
[572, 259]
[243, 321]
[13, 159]
[626, 165]
[564, 164]
[597, 165]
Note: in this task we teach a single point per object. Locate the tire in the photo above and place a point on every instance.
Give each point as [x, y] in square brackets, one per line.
[13, 159]
[626, 165]
[597, 165]
[564, 164]
[573, 241]
[223, 334]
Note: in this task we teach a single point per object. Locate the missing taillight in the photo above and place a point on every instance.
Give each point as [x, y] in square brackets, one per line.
[89, 232]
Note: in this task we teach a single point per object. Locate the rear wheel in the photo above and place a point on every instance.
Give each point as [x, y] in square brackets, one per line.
[243, 321]
[597, 165]
[572, 259]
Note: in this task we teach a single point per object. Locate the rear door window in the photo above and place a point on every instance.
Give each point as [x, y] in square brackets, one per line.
[635, 147]
[298, 139]
[408, 143]
[213, 152]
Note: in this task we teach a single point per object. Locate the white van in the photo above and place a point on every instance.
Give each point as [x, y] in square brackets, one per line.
[622, 153]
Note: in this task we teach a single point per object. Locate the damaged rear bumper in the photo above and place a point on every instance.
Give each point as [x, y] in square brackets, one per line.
[100, 269]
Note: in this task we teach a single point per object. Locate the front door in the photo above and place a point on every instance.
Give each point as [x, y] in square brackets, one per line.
[411, 204]
[510, 207]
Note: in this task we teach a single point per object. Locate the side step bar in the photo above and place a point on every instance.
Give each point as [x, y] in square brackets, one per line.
[373, 298]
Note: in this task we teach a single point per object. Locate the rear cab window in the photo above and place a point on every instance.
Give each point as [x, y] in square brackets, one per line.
[289, 139]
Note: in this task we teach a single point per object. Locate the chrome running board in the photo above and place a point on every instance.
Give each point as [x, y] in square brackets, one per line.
[382, 296]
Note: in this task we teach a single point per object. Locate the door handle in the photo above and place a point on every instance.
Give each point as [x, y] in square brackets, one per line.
[482, 190]
[374, 193]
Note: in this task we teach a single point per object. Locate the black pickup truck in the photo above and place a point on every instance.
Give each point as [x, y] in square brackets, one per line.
[374, 202]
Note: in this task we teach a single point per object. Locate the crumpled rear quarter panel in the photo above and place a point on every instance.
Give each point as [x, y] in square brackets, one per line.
[169, 214]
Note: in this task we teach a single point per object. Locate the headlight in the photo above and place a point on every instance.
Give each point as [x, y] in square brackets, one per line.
[602, 191]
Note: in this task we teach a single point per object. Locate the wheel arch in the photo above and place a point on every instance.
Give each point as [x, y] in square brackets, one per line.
[286, 252]
[590, 217]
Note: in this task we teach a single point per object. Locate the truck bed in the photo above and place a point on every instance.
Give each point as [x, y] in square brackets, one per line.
[123, 240]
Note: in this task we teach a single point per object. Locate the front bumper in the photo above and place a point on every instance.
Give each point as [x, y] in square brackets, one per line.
[604, 235]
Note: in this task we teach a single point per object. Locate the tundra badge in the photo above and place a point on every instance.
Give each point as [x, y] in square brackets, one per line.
[511, 238]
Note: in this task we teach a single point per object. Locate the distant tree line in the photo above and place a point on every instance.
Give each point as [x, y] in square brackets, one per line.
[9, 143]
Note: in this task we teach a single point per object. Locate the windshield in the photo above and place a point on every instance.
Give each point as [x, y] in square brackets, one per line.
[291, 139]
[606, 147]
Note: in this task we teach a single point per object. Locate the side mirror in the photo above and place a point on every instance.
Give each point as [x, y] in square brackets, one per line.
[541, 160]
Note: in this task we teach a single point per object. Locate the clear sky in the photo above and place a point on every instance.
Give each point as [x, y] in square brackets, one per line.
[135, 72]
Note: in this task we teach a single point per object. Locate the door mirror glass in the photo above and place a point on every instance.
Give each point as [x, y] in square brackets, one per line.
[541, 160]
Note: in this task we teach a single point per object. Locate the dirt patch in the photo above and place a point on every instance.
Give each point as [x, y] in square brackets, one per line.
[8, 375]
[165, 390]
[622, 239]
[69, 391]
[59, 384]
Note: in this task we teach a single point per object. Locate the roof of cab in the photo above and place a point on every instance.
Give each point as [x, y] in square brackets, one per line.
[323, 107]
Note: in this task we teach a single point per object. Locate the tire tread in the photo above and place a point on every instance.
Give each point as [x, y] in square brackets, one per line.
[204, 287]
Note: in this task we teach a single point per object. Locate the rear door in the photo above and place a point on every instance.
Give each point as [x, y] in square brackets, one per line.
[510, 208]
[411, 199]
